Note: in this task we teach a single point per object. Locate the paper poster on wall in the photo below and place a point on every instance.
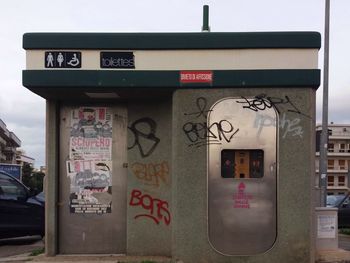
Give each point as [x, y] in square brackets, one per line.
[91, 134]
[90, 160]
[90, 186]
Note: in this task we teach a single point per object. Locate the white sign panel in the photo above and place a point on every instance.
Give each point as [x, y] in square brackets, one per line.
[326, 226]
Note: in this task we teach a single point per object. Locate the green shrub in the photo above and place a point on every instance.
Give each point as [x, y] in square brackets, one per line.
[37, 252]
[344, 231]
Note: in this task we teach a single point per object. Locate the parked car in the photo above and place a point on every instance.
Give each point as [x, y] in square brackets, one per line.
[21, 212]
[342, 202]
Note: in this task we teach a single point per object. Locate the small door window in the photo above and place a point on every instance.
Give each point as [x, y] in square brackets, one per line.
[242, 163]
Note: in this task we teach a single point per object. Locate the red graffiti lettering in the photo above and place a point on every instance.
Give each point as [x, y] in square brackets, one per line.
[157, 209]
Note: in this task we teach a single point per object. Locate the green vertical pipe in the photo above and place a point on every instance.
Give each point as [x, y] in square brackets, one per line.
[205, 18]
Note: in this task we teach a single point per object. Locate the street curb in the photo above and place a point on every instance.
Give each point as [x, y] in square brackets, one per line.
[100, 258]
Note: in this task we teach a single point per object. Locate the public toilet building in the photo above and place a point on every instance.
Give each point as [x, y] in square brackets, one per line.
[195, 146]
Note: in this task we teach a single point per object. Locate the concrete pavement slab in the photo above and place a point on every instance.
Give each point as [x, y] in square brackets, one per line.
[16, 246]
[99, 258]
[333, 256]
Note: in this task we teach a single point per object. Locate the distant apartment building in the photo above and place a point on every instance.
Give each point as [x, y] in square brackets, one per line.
[338, 158]
[9, 143]
[22, 159]
[43, 169]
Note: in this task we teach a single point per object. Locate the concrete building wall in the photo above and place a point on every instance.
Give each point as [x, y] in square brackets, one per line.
[295, 172]
[149, 212]
[167, 177]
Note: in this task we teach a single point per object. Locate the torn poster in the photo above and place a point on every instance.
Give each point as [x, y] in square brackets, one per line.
[90, 160]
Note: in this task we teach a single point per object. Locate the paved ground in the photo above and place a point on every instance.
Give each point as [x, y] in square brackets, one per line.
[344, 242]
[18, 250]
[16, 246]
[333, 256]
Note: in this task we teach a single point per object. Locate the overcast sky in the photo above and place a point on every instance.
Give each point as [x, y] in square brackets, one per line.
[24, 112]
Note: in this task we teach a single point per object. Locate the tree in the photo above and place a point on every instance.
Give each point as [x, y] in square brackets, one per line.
[26, 173]
[36, 181]
[33, 180]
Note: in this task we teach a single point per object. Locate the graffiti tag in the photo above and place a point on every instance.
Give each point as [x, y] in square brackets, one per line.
[262, 102]
[145, 139]
[156, 209]
[201, 105]
[198, 133]
[151, 173]
[290, 127]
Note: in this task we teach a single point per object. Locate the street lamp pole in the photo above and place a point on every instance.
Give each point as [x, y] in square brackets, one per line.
[324, 135]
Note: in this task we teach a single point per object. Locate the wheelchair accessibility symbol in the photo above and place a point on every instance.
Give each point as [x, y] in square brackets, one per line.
[74, 61]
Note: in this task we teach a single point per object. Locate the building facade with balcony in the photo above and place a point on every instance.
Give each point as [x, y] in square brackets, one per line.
[338, 156]
[22, 158]
[9, 143]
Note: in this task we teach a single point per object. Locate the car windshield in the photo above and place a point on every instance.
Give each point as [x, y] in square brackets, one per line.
[41, 195]
[334, 200]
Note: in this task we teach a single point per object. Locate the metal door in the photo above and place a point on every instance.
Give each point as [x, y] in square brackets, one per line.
[242, 177]
[92, 180]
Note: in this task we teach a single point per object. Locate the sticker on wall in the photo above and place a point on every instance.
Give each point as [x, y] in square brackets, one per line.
[187, 77]
[241, 199]
[90, 160]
